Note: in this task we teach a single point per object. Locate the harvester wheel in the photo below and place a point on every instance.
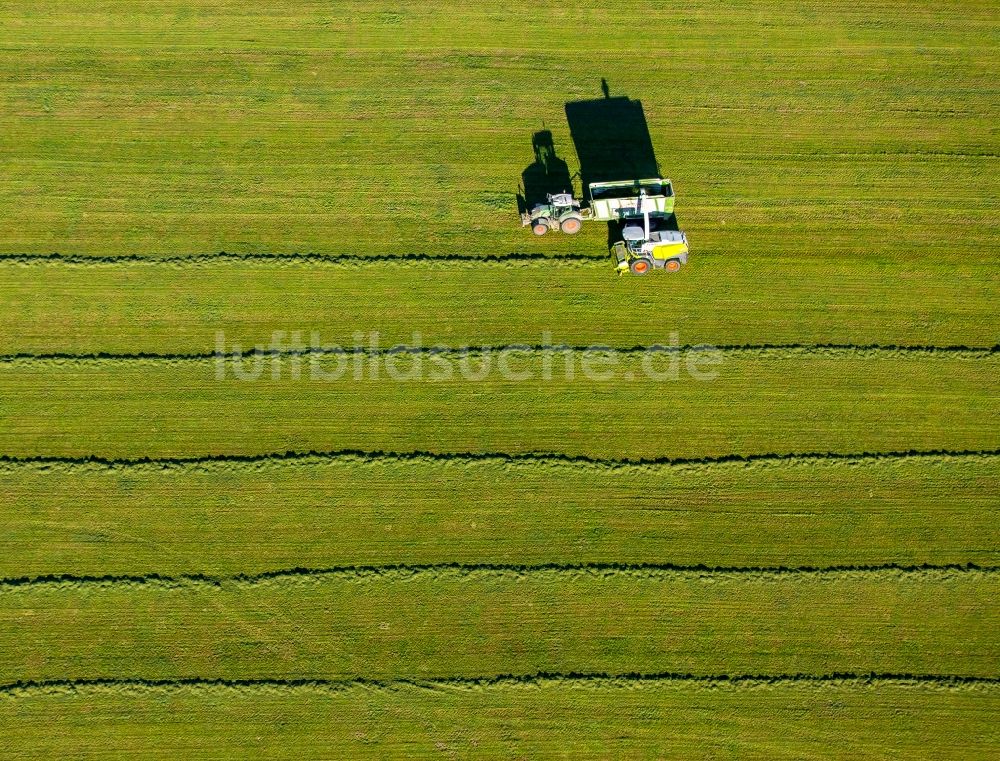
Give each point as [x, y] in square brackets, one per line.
[540, 226]
[571, 225]
[672, 265]
[640, 266]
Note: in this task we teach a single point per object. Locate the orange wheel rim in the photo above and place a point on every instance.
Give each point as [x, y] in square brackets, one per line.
[641, 267]
[673, 266]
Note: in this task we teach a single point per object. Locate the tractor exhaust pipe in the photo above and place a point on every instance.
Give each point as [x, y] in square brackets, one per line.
[645, 213]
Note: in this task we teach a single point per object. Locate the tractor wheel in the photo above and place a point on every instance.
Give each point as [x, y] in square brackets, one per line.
[540, 226]
[571, 225]
[672, 265]
[640, 266]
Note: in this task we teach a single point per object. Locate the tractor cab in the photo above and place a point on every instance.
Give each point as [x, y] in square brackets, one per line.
[661, 248]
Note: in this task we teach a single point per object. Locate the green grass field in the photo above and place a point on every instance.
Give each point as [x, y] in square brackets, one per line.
[345, 511]
[796, 557]
[456, 623]
[582, 718]
[154, 308]
[759, 403]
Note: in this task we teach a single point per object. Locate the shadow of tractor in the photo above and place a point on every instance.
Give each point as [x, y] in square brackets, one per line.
[547, 174]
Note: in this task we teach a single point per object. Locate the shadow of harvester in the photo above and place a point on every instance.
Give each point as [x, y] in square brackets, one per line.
[612, 143]
[612, 140]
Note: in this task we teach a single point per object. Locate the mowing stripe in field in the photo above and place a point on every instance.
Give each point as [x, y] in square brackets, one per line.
[92, 463]
[453, 260]
[452, 624]
[444, 260]
[598, 259]
[745, 405]
[180, 308]
[94, 517]
[854, 717]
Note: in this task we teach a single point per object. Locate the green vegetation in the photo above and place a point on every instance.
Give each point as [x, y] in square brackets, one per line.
[805, 565]
[854, 130]
[465, 623]
[581, 718]
[166, 308]
[760, 403]
[318, 512]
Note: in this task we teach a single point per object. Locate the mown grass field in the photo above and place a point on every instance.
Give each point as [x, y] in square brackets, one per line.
[833, 129]
[841, 718]
[91, 519]
[794, 558]
[758, 403]
[150, 307]
[443, 623]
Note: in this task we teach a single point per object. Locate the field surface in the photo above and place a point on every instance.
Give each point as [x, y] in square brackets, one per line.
[308, 450]
[92, 519]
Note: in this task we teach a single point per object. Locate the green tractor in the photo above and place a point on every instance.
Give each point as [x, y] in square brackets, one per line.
[562, 212]
[641, 213]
